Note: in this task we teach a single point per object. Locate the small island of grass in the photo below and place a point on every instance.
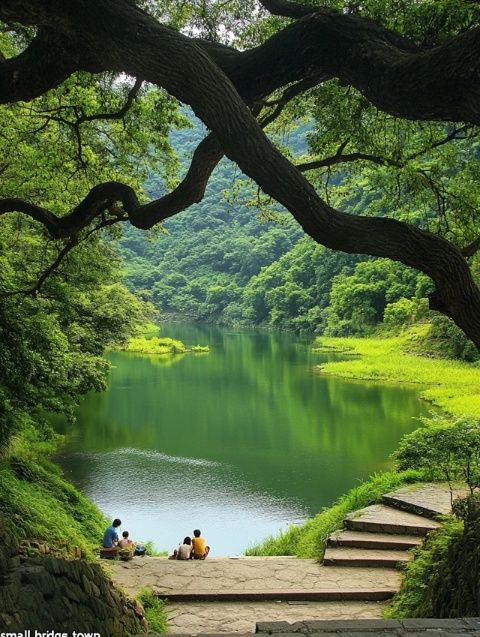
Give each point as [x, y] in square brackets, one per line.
[158, 346]
[199, 349]
[147, 341]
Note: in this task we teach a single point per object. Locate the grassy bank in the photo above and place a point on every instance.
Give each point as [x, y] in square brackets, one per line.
[415, 596]
[309, 539]
[451, 385]
[37, 503]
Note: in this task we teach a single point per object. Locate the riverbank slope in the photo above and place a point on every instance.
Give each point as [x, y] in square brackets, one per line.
[449, 384]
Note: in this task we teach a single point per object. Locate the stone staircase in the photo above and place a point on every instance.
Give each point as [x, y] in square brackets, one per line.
[359, 574]
[382, 535]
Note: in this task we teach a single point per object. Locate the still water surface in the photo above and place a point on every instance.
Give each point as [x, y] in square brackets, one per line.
[239, 442]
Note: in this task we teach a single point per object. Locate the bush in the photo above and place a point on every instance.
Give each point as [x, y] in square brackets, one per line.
[443, 579]
[450, 341]
[444, 450]
[415, 596]
[154, 611]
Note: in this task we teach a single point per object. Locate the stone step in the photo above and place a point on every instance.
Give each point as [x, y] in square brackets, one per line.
[426, 499]
[371, 594]
[379, 518]
[365, 540]
[348, 556]
[362, 627]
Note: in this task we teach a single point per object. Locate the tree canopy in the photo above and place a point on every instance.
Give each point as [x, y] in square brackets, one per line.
[91, 87]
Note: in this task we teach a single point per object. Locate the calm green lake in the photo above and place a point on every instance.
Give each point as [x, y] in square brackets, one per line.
[239, 442]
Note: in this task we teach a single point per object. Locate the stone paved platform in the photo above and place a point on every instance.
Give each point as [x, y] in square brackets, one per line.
[428, 499]
[272, 575]
[358, 566]
[221, 617]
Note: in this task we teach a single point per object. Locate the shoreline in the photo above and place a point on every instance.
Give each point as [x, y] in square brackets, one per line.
[453, 386]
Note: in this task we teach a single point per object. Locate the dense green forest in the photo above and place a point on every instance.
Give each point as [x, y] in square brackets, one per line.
[234, 259]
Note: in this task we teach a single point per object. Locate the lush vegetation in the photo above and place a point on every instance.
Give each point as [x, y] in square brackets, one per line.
[263, 271]
[309, 539]
[37, 503]
[147, 340]
[412, 600]
[452, 385]
[235, 258]
[442, 580]
[154, 611]
[155, 345]
[443, 450]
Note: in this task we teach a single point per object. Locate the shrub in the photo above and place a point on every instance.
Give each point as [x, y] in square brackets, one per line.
[399, 313]
[154, 611]
[444, 450]
[442, 580]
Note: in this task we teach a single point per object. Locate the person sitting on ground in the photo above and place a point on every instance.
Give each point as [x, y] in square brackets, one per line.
[110, 537]
[185, 550]
[200, 548]
[126, 542]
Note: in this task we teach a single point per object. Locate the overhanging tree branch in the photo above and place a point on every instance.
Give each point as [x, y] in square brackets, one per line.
[386, 70]
[287, 9]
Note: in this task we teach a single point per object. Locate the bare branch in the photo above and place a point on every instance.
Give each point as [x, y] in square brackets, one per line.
[471, 249]
[288, 95]
[32, 291]
[340, 159]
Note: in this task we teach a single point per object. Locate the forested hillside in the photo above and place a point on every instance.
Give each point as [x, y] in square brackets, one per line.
[233, 259]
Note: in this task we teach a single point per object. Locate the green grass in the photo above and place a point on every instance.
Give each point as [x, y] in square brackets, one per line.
[154, 611]
[415, 596]
[37, 503]
[199, 349]
[155, 345]
[160, 346]
[451, 385]
[309, 539]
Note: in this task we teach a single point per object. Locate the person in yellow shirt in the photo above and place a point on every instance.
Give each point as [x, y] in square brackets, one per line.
[200, 548]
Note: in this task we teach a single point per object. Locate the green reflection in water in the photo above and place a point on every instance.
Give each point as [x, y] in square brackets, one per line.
[240, 441]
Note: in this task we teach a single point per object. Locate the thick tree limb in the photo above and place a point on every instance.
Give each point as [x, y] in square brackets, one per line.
[392, 72]
[100, 198]
[49, 60]
[287, 9]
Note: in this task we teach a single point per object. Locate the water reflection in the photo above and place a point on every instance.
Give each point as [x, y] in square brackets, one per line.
[239, 442]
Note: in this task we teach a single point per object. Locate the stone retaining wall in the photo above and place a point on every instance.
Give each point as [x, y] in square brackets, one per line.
[47, 593]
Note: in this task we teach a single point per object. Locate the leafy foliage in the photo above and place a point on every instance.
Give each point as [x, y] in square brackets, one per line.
[442, 580]
[36, 502]
[154, 611]
[444, 450]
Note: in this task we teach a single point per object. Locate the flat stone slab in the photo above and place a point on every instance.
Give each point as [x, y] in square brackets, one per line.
[407, 627]
[429, 499]
[386, 519]
[363, 539]
[345, 555]
[224, 617]
[215, 577]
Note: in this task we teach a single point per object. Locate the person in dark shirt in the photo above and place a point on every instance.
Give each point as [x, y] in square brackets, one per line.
[110, 537]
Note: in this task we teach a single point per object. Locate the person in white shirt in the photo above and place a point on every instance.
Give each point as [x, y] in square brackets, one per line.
[184, 551]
